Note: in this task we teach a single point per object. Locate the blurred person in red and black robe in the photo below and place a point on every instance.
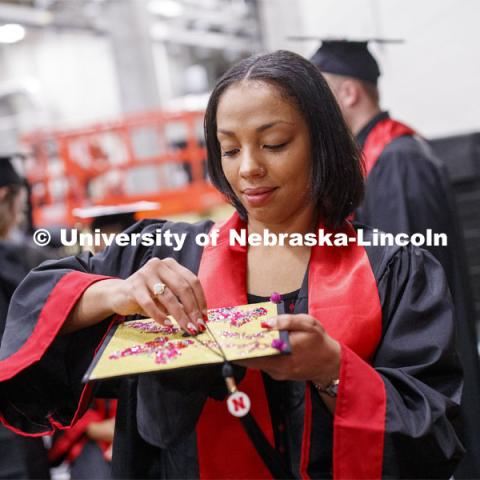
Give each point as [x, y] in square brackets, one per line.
[87, 446]
[407, 191]
[19, 457]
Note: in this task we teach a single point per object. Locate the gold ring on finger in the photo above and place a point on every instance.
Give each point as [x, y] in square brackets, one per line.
[159, 288]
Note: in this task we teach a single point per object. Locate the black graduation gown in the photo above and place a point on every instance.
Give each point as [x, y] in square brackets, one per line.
[15, 263]
[408, 191]
[154, 435]
[19, 457]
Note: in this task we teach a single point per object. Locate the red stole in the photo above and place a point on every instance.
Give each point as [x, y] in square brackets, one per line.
[383, 133]
[342, 294]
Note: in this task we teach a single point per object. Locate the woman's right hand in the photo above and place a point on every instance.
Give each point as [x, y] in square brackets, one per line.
[183, 296]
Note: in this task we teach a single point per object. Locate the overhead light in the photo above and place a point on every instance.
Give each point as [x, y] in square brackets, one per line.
[11, 33]
[166, 8]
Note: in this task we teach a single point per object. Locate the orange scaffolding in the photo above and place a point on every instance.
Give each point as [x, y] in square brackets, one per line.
[155, 156]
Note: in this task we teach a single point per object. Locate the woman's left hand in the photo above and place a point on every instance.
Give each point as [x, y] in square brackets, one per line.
[315, 355]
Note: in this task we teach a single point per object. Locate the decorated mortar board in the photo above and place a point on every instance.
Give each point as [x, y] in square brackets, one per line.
[8, 174]
[350, 58]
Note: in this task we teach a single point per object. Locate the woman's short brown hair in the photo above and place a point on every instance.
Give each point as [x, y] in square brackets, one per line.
[336, 176]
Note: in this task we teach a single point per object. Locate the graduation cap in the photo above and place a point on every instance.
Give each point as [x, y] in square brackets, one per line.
[112, 215]
[8, 174]
[350, 58]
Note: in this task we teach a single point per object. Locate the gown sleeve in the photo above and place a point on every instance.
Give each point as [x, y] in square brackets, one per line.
[407, 399]
[40, 372]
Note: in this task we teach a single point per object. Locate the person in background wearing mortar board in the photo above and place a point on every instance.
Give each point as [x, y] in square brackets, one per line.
[19, 457]
[87, 446]
[407, 191]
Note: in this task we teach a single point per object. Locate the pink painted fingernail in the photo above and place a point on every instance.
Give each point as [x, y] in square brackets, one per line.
[201, 325]
[168, 322]
[191, 328]
[267, 323]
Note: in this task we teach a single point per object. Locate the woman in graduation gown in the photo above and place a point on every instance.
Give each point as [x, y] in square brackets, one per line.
[373, 383]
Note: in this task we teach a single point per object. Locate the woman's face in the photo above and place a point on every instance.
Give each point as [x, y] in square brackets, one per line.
[266, 153]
